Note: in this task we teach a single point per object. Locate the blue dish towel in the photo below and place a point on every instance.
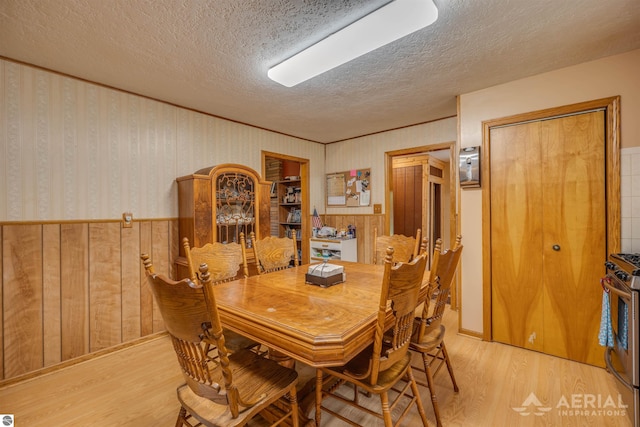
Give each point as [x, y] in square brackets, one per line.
[605, 336]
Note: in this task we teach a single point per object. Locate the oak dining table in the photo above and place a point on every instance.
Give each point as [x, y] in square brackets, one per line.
[314, 325]
[318, 326]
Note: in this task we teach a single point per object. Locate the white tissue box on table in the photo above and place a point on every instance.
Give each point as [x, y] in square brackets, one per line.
[325, 275]
[325, 270]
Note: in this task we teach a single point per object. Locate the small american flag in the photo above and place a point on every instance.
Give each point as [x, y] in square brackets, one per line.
[317, 222]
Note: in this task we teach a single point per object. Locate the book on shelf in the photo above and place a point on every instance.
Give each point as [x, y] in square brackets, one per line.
[296, 215]
[293, 233]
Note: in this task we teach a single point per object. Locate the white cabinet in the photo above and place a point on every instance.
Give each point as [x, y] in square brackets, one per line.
[343, 249]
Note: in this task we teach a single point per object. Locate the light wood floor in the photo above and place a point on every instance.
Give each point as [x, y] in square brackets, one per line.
[136, 387]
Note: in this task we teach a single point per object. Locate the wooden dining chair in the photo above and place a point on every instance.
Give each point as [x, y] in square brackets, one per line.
[428, 336]
[405, 247]
[226, 262]
[229, 390]
[274, 253]
[385, 363]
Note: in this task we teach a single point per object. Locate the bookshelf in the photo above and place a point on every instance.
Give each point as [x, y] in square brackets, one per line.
[288, 204]
[290, 208]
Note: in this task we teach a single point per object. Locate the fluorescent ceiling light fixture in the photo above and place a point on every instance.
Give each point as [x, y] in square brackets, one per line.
[382, 26]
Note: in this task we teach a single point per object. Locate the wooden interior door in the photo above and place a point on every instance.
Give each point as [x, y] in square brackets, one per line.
[407, 200]
[548, 234]
[516, 238]
[574, 208]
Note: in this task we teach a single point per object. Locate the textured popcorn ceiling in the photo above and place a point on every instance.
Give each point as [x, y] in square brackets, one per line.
[213, 55]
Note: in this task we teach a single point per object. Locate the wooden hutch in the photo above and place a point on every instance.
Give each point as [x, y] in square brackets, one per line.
[217, 203]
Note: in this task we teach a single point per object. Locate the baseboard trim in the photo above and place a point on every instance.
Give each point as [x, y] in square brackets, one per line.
[84, 358]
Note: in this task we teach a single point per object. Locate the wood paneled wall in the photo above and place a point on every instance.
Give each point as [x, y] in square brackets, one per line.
[364, 230]
[73, 288]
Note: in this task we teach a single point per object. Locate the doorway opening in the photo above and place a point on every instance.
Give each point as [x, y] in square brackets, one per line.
[421, 192]
[289, 199]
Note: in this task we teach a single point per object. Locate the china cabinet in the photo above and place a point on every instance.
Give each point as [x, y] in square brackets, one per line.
[217, 203]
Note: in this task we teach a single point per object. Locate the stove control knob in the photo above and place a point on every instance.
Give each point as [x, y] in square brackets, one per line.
[622, 275]
[610, 265]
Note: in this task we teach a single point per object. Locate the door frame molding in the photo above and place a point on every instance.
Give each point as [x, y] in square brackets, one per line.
[611, 107]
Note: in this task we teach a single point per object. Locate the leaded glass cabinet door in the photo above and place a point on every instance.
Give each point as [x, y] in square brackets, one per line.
[235, 206]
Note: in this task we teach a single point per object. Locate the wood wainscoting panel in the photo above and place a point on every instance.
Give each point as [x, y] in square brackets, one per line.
[174, 247]
[51, 290]
[105, 287]
[130, 247]
[364, 231]
[74, 289]
[22, 299]
[162, 261]
[146, 296]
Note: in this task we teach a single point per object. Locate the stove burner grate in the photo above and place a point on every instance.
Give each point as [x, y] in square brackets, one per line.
[630, 262]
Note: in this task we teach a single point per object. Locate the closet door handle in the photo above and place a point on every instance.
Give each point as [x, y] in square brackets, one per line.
[555, 247]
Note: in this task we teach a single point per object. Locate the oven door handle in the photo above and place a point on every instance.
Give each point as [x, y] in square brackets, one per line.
[615, 290]
[610, 368]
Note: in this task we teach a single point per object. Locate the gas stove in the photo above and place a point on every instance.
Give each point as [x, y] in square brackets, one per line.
[622, 356]
[626, 267]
